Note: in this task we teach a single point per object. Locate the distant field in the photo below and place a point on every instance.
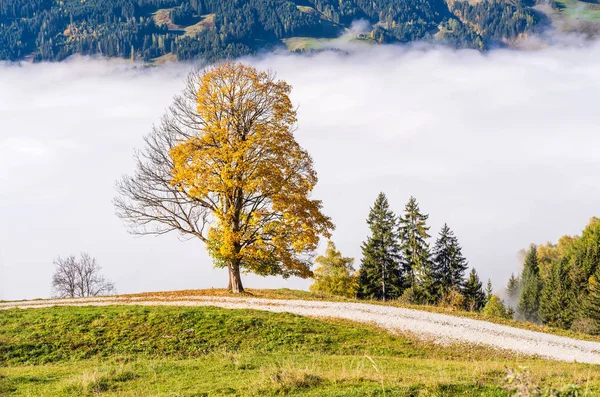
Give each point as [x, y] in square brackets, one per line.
[206, 22]
[584, 11]
[305, 43]
[178, 351]
[162, 17]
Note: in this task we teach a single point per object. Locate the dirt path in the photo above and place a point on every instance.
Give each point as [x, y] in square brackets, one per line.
[443, 328]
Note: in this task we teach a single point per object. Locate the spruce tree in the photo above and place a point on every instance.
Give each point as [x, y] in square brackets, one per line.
[488, 291]
[380, 273]
[473, 292]
[556, 299]
[415, 252]
[592, 308]
[529, 301]
[512, 288]
[449, 264]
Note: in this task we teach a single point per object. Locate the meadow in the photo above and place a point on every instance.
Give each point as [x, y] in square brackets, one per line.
[179, 351]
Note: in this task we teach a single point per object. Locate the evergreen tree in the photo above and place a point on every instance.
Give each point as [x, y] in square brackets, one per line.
[512, 288]
[529, 301]
[380, 273]
[588, 247]
[416, 257]
[556, 299]
[593, 302]
[473, 292]
[335, 274]
[488, 291]
[449, 264]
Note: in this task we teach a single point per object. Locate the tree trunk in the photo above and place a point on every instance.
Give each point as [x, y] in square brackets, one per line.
[235, 279]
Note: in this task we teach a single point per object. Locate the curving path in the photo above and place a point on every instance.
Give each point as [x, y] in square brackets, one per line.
[442, 327]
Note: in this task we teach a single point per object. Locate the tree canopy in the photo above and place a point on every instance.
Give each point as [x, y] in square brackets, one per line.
[234, 164]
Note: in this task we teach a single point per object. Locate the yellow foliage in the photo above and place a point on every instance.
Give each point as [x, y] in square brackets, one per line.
[246, 167]
[335, 274]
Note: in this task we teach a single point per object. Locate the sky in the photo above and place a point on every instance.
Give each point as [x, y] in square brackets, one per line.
[503, 146]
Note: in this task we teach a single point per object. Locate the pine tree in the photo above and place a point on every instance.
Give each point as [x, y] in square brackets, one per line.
[335, 274]
[380, 274]
[512, 288]
[415, 251]
[449, 264]
[556, 299]
[488, 291]
[473, 292]
[593, 302]
[529, 301]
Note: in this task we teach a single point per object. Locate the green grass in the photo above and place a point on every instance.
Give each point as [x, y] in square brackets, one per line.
[305, 43]
[579, 10]
[285, 293]
[202, 351]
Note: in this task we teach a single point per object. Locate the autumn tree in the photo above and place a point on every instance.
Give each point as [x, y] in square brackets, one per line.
[449, 264]
[416, 256]
[495, 307]
[223, 166]
[335, 274]
[79, 278]
[380, 272]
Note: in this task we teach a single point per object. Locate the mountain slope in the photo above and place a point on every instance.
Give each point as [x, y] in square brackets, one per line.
[51, 30]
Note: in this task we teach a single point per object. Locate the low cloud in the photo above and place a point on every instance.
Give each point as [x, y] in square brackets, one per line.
[503, 146]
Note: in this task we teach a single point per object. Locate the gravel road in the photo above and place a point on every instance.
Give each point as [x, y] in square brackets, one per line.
[440, 327]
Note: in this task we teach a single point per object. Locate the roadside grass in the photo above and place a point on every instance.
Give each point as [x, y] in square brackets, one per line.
[285, 294]
[205, 351]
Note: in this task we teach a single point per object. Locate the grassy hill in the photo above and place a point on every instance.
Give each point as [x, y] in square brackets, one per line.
[178, 351]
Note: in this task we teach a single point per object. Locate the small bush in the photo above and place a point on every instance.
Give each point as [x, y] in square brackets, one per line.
[520, 383]
[287, 380]
[585, 326]
[496, 308]
[409, 297]
[452, 299]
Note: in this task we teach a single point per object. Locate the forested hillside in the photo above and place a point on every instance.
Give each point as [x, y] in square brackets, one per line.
[51, 30]
[560, 283]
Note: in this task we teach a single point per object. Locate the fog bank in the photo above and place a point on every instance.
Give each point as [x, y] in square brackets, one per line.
[503, 146]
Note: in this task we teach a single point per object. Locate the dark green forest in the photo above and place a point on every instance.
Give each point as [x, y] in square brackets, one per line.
[52, 30]
[559, 284]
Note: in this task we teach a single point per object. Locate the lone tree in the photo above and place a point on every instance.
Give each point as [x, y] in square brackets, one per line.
[335, 274]
[223, 166]
[380, 272]
[79, 278]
